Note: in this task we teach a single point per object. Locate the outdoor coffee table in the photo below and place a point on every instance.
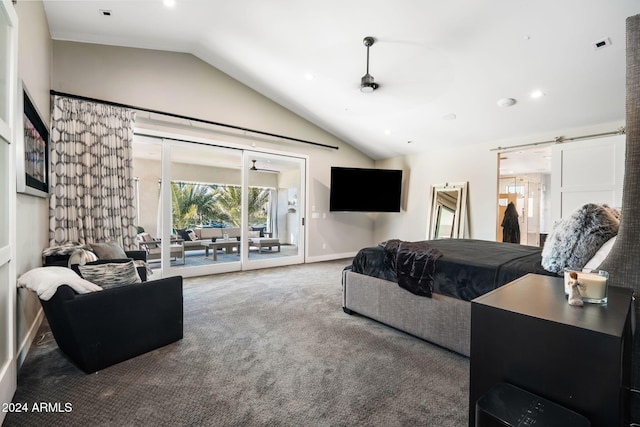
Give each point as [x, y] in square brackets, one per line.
[226, 245]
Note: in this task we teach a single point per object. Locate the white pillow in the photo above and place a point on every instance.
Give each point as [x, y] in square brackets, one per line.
[254, 234]
[602, 253]
[44, 281]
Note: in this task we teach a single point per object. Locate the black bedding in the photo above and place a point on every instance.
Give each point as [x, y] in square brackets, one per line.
[467, 268]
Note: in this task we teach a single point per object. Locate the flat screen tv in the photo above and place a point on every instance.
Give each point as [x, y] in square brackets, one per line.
[365, 190]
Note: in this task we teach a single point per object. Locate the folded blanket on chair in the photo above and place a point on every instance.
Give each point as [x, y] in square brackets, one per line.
[45, 281]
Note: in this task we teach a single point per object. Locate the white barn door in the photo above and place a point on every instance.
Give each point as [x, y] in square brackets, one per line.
[587, 172]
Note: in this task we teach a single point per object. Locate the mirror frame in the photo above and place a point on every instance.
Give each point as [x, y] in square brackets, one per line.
[460, 215]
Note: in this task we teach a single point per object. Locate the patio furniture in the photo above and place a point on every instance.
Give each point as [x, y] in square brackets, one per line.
[265, 242]
[220, 244]
[208, 234]
[153, 247]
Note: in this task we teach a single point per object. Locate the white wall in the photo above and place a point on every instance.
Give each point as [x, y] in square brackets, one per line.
[475, 163]
[34, 68]
[183, 84]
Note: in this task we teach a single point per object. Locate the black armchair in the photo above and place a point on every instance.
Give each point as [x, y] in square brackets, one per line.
[100, 329]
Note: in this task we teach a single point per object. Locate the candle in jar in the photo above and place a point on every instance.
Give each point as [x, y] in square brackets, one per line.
[593, 286]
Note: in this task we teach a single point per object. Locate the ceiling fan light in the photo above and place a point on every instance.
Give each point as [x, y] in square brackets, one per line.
[367, 84]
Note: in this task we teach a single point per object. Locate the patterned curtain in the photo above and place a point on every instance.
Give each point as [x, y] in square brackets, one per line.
[92, 194]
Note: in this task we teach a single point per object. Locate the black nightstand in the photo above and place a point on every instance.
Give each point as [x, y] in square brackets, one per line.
[525, 334]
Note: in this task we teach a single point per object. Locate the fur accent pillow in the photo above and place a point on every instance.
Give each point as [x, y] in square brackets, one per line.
[111, 275]
[575, 239]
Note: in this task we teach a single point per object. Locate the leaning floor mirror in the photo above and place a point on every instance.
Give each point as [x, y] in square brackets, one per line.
[448, 211]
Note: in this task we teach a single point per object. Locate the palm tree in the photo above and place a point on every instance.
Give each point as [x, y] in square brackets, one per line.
[197, 203]
[194, 203]
[229, 200]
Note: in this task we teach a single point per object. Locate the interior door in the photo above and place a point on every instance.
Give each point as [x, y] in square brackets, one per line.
[8, 127]
[587, 172]
[273, 219]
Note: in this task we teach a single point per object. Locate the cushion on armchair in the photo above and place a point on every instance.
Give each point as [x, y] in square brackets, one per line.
[108, 250]
[81, 256]
[110, 274]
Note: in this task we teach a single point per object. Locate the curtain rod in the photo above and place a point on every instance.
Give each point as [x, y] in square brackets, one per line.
[561, 139]
[195, 119]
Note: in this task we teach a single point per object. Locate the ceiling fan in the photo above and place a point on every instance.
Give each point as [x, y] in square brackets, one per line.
[367, 83]
[254, 168]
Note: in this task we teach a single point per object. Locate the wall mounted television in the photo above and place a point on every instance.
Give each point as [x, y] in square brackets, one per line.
[365, 190]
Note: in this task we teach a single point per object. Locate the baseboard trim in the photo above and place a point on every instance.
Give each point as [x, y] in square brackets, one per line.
[25, 345]
[331, 257]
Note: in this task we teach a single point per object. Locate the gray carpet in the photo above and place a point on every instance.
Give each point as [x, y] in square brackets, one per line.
[261, 348]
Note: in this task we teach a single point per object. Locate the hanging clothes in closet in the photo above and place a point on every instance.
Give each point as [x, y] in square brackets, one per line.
[510, 225]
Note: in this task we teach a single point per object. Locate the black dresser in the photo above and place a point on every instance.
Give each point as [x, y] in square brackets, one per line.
[525, 334]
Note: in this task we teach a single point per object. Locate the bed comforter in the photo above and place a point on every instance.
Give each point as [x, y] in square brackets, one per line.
[467, 268]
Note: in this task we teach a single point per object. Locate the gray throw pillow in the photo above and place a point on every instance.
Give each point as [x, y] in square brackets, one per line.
[109, 250]
[575, 239]
[111, 275]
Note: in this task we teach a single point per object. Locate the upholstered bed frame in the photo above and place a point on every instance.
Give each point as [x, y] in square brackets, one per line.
[442, 320]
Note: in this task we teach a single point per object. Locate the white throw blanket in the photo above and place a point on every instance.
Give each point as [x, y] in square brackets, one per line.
[44, 281]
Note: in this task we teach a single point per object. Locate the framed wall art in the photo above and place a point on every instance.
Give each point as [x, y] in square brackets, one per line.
[32, 148]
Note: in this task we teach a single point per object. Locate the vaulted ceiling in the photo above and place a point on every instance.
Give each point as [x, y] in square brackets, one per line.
[442, 66]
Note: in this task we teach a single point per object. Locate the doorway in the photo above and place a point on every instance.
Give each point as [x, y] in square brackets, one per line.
[524, 180]
[220, 208]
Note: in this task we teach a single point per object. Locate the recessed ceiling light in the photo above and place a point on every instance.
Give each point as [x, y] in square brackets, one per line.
[449, 116]
[537, 94]
[308, 76]
[387, 132]
[506, 102]
[169, 3]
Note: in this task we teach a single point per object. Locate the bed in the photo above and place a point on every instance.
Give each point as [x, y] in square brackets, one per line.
[425, 288]
[466, 269]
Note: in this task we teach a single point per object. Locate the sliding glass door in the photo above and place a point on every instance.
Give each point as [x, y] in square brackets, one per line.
[275, 194]
[205, 209]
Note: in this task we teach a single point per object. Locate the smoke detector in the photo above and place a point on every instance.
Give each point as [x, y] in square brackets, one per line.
[602, 43]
